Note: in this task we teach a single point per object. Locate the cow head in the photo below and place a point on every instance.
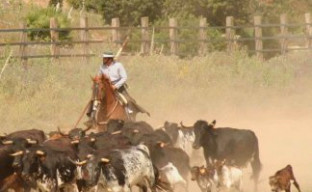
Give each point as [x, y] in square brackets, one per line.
[200, 129]
[75, 133]
[31, 163]
[91, 170]
[194, 173]
[18, 147]
[172, 129]
[114, 125]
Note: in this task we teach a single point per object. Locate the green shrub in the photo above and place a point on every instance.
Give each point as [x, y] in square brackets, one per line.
[40, 18]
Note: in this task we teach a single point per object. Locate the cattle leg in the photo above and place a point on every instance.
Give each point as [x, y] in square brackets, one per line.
[297, 185]
[143, 188]
[256, 168]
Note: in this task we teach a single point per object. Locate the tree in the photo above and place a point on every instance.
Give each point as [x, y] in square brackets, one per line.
[129, 11]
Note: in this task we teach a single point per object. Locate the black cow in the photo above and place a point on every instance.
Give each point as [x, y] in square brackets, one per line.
[129, 127]
[12, 145]
[33, 135]
[75, 133]
[50, 165]
[237, 146]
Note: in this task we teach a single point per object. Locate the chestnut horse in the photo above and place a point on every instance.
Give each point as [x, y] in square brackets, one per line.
[105, 103]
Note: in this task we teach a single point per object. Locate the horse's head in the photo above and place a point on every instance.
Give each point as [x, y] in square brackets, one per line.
[102, 92]
[98, 88]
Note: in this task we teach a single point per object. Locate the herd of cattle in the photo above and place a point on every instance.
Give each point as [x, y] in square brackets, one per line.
[132, 154]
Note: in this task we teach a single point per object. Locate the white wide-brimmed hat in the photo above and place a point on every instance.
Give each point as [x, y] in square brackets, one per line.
[108, 55]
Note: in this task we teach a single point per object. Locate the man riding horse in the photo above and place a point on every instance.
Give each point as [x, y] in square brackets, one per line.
[116, 74]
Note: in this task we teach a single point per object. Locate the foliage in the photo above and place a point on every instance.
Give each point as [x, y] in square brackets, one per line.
[55, 2]
[40, 18]
[129, 11]
[214, 10]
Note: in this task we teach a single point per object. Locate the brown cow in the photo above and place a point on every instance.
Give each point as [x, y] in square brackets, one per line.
[281, 180]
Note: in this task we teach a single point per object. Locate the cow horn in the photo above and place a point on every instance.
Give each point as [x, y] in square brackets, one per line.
[136, 131]
[30, 141]
[89, 156]
[7, 142]
[18, 153]
[81, 163]
[59, 130]
[77, 162]
[104, 160]
[39, 152]
[92, 139]
[186, 127]
[2, 136]
[116, 132]
[75, 142]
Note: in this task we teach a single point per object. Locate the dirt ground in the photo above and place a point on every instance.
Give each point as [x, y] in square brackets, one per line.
[283, 126]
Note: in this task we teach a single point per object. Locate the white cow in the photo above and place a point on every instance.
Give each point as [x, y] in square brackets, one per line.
[119, 170]
[229, 176]
[171, 175]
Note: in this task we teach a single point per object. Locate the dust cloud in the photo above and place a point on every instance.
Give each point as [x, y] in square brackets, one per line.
[281, 120]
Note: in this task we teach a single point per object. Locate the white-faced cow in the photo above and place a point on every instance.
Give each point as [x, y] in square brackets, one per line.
[236, 146]
[181, 136]
[280, 181]
[205, 177]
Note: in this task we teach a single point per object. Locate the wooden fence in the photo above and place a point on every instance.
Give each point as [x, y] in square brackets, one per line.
[148, 41]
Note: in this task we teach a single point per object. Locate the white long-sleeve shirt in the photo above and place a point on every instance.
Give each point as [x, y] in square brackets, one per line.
[115, 72]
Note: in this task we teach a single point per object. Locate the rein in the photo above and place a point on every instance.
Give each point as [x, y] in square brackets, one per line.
[83, 112]
[112, 111]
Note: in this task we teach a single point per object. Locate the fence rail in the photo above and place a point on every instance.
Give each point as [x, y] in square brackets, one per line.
[173, 39]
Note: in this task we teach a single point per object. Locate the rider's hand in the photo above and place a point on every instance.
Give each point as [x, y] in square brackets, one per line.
[114, 88]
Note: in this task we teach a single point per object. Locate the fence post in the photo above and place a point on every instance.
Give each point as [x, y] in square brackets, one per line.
[173, 35]
[307, 17]
[115, 31]
[230, 33]
[284, 32]
[202, 36]
[54, 38]
[145, 35]
[84, 38]
[23, 46]
[258, 37]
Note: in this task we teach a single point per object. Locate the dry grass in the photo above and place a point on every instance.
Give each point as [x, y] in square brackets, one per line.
[47, 95]
[273, 98]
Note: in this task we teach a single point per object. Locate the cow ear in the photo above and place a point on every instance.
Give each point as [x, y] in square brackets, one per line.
[214, 123]
[7, 142]
[105, 160]
[40, 153]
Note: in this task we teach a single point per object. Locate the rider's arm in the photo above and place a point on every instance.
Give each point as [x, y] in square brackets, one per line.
[123, 76]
